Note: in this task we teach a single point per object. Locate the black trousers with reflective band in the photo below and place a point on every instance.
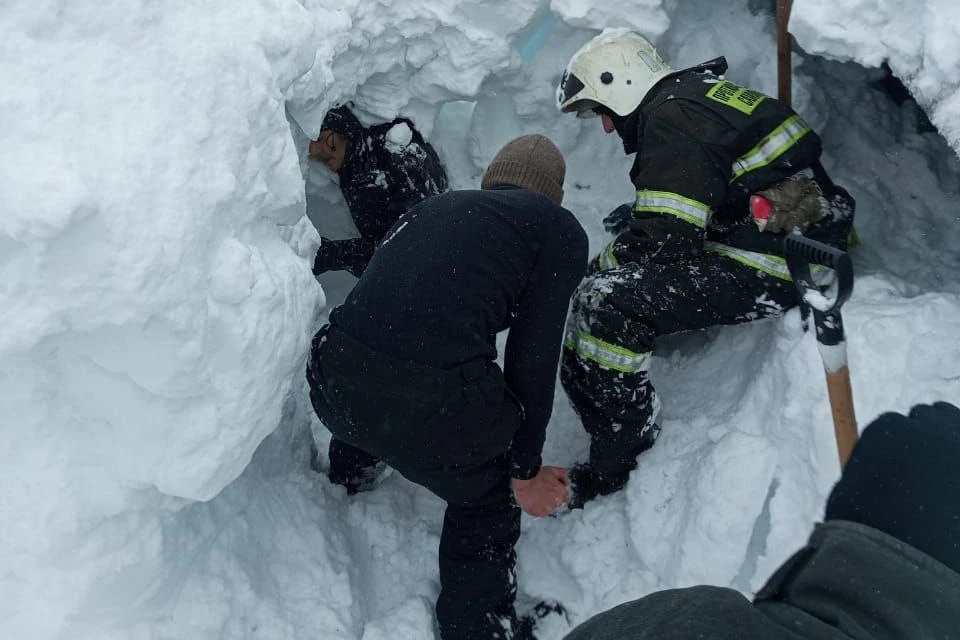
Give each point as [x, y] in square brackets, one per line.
[628, 308]
[449, 431]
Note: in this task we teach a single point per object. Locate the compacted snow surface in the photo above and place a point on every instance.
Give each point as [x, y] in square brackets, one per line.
[156, 304]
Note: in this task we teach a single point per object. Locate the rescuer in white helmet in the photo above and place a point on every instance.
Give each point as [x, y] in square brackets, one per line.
[722, 174]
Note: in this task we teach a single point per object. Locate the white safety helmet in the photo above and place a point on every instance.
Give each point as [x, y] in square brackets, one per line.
[614, 70]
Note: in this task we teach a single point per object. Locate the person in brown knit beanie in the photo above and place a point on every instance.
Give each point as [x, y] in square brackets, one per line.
[406, 375]
[531, 162]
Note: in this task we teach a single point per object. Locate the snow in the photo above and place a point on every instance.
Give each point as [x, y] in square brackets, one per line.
[399, 136]
[834, 356]
[156, 305]
[646, 17]
[919, 43]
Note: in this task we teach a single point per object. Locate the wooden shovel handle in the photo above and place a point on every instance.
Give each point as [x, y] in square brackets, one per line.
[783, 51]
[844, 419]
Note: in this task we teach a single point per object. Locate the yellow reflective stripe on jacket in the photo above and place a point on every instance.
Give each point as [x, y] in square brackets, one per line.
[609, 355]
[768, 263]
[772, 146]
[688, 210]
[607, 260]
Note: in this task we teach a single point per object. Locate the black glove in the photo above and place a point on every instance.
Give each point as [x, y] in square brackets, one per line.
[327, 258]
[617, 220]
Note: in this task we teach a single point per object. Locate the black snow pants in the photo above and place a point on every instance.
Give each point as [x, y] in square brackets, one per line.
[449, 431]
[616, 316]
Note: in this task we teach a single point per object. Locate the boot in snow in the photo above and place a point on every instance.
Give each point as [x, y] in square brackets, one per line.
[365, 479]
[538, 618]
[586, 482]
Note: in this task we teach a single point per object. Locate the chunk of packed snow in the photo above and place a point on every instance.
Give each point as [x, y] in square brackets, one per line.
[399, 136]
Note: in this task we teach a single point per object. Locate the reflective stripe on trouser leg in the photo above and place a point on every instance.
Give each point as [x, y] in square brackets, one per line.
[617, 410]
[606, 382]
[605, 354]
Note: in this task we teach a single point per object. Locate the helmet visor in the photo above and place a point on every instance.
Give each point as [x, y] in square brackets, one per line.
[570, 87]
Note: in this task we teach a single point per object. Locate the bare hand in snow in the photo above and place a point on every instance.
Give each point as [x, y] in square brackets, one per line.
[542, 494]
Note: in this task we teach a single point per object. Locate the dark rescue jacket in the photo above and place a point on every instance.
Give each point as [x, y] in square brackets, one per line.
[851, 582]
[380, 180]
[704, 146]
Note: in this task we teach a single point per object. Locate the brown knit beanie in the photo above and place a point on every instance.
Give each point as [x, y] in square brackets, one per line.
[531, 162]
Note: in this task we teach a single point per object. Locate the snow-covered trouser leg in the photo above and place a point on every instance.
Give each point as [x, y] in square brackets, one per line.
[617, 315]
[448, 430]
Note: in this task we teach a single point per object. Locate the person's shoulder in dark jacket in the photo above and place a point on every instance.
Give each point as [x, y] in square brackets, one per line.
[884, 565]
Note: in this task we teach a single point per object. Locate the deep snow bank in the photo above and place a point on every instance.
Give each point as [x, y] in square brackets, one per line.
[152, 314]
[917, 39]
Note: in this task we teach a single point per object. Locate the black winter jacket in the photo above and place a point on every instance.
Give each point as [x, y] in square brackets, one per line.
[851, 582]
[703, 146]
[381, 178]
[460, 268]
